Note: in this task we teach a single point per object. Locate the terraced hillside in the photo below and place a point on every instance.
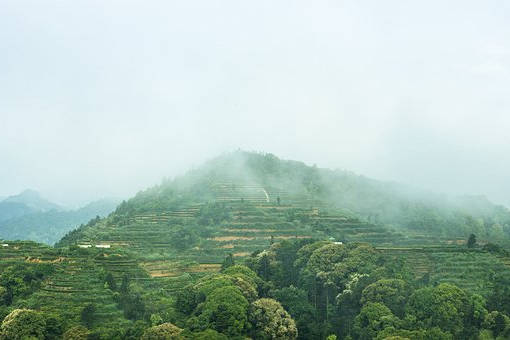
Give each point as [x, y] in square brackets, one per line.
[240, 219]
[171, 235]
[471, 269]
[75, 279]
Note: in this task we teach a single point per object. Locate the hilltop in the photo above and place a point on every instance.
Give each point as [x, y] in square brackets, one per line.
[242, 202]
[33, 200]
[265, 182]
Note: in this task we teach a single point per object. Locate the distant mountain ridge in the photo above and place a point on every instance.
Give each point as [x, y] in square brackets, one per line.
[33, 200]
[28, 216]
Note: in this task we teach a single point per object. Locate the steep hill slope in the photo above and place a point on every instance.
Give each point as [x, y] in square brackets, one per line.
[242, 202]
[269, 186]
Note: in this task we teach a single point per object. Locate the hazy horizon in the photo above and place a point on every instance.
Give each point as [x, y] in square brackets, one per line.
[103, 99]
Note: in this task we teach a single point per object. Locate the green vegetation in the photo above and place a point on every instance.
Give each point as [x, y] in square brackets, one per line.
[252, 246]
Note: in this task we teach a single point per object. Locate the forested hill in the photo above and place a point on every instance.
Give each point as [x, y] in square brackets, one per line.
[265, 178]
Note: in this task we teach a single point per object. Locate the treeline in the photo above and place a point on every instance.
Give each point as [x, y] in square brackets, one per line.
[350, 291]
[299, 289]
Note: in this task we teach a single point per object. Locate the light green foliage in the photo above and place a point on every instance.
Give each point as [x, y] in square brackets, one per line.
[21, 324]
[237, 269]
[208, 284]
[271, 321]
[498, 323]
[165, 331]
[304, 253]
[156, 320]
[333, 263]
[76, 333]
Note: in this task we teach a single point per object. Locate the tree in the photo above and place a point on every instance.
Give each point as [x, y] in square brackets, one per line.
[295, 301]
[165, 331]
[23, 324]
[110, 281]
[271, 321]
[134, 307]
[228, 261]
[471, 243]
[225, 310]
[53, 329]
[373, 318]
[445, 306]
[496, 322]
[76, 333]
[135, 331]
[88, 315]
[183, 238]
[208, 334]
[393, 293]
[124, 286]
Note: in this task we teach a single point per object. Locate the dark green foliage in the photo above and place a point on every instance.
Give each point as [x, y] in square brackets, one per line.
[110, 281]
[135, 331]
[499, 300]
[88, 315]
[183, 238]
[393, 293]
[225, 310]
[471, 242]
[228, 262]
[208, 334]
[22, 279]
[133, 306]
[295, 301]
[54, 327]
[213, 213]
[373, 318]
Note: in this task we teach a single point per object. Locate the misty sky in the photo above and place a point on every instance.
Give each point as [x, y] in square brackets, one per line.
[104, 98]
